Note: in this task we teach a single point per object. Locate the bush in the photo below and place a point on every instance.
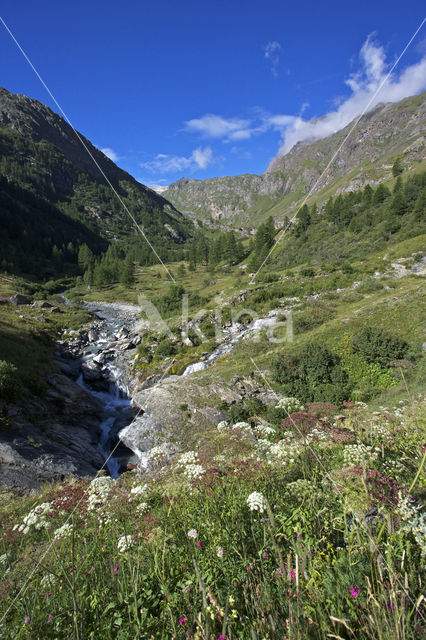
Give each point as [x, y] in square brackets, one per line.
[379, 346]
[307, 272]
[313, 374]
[9, 381]
[166, 348]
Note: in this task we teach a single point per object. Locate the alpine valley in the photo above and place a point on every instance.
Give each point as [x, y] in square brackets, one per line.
[218, 433]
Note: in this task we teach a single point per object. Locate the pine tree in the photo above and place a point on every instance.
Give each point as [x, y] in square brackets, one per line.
[303, 221]
[397, 168]
[85, 258]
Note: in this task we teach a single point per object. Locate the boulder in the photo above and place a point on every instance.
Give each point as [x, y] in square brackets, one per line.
[18, 298]
[42, 304]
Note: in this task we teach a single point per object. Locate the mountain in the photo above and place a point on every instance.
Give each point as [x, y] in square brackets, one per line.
[386, 132]
[51, 187]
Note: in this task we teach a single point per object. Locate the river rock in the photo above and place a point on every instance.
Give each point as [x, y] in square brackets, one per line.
[42, 304]
[163, 421]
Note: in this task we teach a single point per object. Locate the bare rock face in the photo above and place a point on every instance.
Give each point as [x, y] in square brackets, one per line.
[175, 411]
[179, 410]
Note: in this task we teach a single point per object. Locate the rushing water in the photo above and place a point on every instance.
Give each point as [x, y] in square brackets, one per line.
[116, 401]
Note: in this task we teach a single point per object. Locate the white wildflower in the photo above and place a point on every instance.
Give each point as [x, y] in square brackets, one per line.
[219, 552]
[290, 405]
[142, 508]
[300, 489]
[190, 457]
[124, 543]
[139, 490]
[414, 522]
[264, 430]
[36, 518]
[359, 454]
[63, 532]
[243, 426]
[222, 425]
[48, 581]
[193, 471]
[192, 533]
[256, 502]
[99, 490]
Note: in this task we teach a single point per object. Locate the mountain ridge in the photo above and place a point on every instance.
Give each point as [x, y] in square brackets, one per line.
[387, 131]
[46, 171]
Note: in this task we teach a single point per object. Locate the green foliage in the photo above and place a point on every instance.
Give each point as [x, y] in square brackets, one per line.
[10, 384]
[166, 348]
[370, 285]
[397, 167]
[50, 206]
[312, 374]
[367, 378]
[377, 345]
[353, 224]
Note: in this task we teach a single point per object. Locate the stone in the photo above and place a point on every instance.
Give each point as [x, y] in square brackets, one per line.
[18, 298]
[42, 304]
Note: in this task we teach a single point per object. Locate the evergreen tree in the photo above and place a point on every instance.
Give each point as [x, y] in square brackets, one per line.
[303, 221]
[399, 204]
[126, 272]
[397, 168]
[367, 195]
[380, 194]
[85, 257]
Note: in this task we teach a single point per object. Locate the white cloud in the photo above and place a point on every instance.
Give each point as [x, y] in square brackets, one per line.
[272, 53]
[159, 188]
[237, 129]
[200, 158]
[110, 153]
[364, 84]
[214, 126]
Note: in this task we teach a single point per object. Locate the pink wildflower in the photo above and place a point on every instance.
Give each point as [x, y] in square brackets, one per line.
[292, 574]
[354, 592]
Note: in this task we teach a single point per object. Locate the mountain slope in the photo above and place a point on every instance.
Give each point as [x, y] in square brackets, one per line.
[384, 133]
[42, 158]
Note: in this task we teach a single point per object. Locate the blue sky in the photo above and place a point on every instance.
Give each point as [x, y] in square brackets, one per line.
[202, 89]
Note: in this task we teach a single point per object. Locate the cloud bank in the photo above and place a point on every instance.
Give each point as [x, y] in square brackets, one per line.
[200, 158]
[363, 84]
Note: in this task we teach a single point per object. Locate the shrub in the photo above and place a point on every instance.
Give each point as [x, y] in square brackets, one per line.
[307, 272]
[352, 296]
[377, 345]
[166, 348]
[313, 374]
[9, 381]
